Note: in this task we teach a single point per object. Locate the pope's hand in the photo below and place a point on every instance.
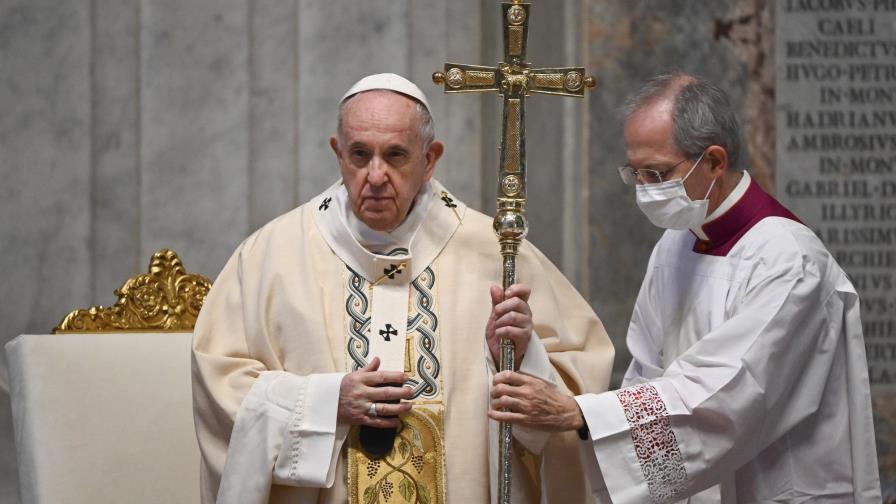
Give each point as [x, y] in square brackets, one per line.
[533, 403]
[364, 387]
[511, 318]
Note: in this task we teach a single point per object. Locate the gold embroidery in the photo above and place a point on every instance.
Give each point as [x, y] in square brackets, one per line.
[449, 202]
[408, 353]
[413, 472]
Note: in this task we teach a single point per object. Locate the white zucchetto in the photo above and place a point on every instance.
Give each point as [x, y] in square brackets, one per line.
[391, 82]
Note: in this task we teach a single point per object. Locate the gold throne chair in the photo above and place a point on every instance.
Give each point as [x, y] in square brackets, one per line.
[102, 408]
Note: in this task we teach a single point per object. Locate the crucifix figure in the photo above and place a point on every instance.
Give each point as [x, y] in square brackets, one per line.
[514, 79]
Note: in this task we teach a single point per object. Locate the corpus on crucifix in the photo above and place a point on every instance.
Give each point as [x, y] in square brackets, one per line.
[514, 79]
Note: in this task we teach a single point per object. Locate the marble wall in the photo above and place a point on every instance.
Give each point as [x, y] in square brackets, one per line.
[46, 172]
[134, 125]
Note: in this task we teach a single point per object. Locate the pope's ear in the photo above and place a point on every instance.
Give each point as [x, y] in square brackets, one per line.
[334, 144]
[435, 151]
[718, 159]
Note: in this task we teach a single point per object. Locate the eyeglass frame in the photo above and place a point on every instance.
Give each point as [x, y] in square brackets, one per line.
[636, 174]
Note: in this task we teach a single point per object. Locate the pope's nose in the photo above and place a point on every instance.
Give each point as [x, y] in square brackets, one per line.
[376, 173]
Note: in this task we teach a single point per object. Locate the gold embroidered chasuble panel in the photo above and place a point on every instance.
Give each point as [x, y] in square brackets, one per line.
[414, 470]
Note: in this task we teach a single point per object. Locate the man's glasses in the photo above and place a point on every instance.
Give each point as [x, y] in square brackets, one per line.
[632, 176]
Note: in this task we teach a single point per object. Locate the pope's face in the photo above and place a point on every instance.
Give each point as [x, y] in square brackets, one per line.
[381, 157]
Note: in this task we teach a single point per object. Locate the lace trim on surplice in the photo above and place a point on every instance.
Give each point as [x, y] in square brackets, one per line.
[654, 440]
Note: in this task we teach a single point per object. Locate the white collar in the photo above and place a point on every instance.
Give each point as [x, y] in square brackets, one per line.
[379, 241]
[437, 225]
[739, 190]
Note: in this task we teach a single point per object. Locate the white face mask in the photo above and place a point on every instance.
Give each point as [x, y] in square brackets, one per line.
[668, 206]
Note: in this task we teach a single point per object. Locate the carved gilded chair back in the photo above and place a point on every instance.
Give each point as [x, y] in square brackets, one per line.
[165, 299]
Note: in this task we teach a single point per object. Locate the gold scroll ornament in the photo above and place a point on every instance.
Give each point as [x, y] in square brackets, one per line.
[413, 472]
[166, 299]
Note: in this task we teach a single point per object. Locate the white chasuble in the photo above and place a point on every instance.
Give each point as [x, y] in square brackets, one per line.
[302, 302]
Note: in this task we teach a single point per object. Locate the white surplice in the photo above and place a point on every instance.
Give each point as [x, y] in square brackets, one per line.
[296, 308]
[748, 371]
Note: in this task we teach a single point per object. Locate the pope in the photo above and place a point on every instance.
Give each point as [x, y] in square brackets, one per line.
[345, 352]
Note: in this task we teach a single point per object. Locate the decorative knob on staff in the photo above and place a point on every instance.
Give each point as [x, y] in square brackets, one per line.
[514, 80]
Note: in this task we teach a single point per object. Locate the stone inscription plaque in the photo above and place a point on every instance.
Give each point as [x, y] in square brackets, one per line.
[836, 164]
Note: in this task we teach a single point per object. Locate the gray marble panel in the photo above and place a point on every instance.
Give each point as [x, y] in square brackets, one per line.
[836, 116]
[273, 79]
[194, 117]
[837, 152]
[340, 41]
[116, 164]
[629, 42]
[575, 257]
[547, 131]
[45, 141]
[440, 32]
[491, 53]
[45, 194]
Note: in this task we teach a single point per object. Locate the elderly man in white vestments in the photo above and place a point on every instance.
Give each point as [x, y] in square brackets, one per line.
[345, 351]
[748, 367]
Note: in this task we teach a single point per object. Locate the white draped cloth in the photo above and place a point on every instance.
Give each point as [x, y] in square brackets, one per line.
[748, 371]
[300, 303]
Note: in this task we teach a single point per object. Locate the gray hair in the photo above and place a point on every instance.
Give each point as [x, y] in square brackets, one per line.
[425, 126]
[701, 113]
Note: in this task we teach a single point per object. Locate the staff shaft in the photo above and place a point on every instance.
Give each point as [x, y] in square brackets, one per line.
[514, 79]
